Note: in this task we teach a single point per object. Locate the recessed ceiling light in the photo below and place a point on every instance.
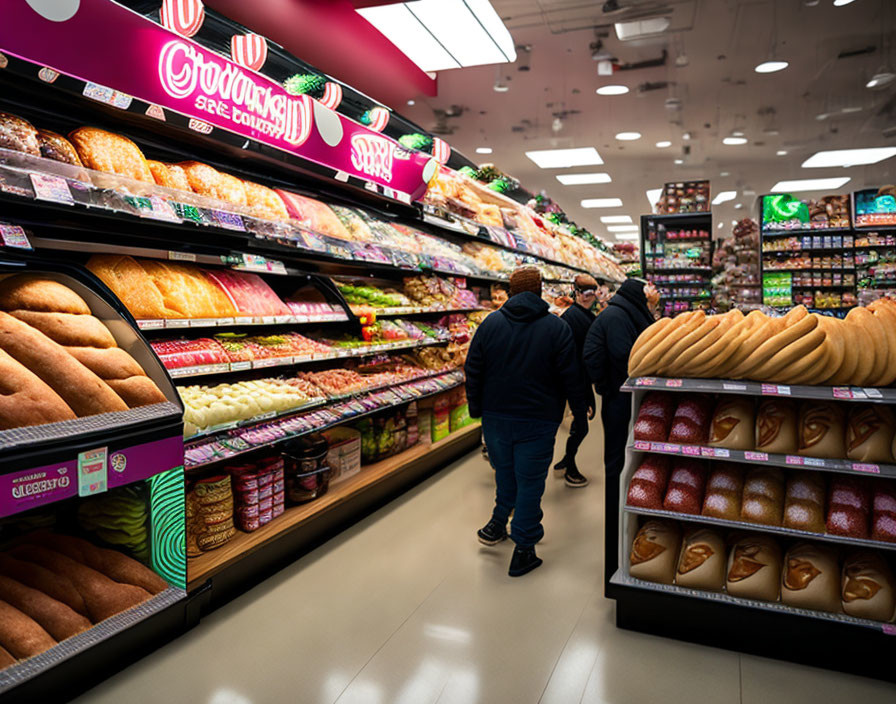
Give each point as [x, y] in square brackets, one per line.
[771, 66]
[737, 133]
[653, 195]
[724, 197]
[881, 79]
[721, 225]
[412, 102]
[738, 206]
[664, 144]
[781, 152]
[733, 223]
[851, 109]
[611, 219]
[628, 136]
[810, 184]
[627, 235]
[483, 150]
[686, 136]
[564, 158]
[602, 203]
[679, 162]
[734, 141]
[841, 3]
[724, 173]
[848, 157]
[623, 228]
[612, 90]
[583, 179]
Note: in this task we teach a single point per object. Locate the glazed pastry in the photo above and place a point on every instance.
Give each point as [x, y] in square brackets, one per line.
[104, 151]
[56, 147]
[732, 423]
[654, 554]
[867, 587]
[776, 421]
[848, 507]
[723, 492]
[821, 430]
[18, 135]
[654, 417]
[686, 486]
[763, 498]
[690, 424]
[702, 561]
[811, 578]
[754, 568]
[804, 502]
[884, 512]
[869, 433]
[648, 484]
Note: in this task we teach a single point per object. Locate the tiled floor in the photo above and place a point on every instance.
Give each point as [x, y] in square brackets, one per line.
[407, 608]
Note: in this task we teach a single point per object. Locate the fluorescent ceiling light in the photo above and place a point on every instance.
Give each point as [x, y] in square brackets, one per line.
[781, 152]
[611, 219]
[724, 197]
[653, 195]
[881, 79]
[564, 158]
[641, 28]
[583, 179]
[721, 225]
[841, 3]
[483, 150]
[623, 228]
[627, 235]
[771, 66]
[628, 136]
[848, 157]
[738, 206]
[734, 141]
[664, 144]
[443, 34]
[602, 203]
[810, 184]
[679, 162]
[612, 90]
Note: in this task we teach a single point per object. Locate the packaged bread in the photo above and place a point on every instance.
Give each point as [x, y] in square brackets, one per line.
[169, 175]
[733, 423]
[654, 554]
[869, 433]
[133, 286]
[18, 135]
[56, 147]
[264, 202]
[648, 484]
[821, 430]
[867, 586]
[701, 564]
[724, 488]
[686, 486]
[314, 215]
[763, 497]
[210, 182]
[654, 417]
[884, 512]
[754, 568]
[776, 421]
[849, 506]
[811, 578]
[188, 290]
[804, 500]
[690, 424]
[112, 153]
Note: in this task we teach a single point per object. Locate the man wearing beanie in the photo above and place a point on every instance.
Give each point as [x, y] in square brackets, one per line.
[521, 370]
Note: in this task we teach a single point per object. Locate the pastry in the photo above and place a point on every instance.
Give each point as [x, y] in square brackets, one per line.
[686, 486]
[689, 360]
[723, 492]
[57, 619]
[763, 497]
[654, 554]
[654, 417]
[884, 512]
[776, 421]
[133, 286]
[648, 484]
[21, 635]
[18, 135]
[732, 423]
[867, 587]
[169, 176]
[811, 578]
[210, 182]
[690, 424]
[804, 502]
[56, 147]
[754, 568]
[701, 564]
[821, 430]
[264, 202]
[104, 151]
[870, 432]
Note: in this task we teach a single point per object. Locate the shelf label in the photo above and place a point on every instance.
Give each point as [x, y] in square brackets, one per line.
[673, 383]
[181, 256]
[671, 447]
[102, 94]
[858, 393]
[863, 467]
[240, 366]
[187, 212]
[707, 452]
[150, 324]
[203, 322]
[756, 456]
[228, 220]
[14, 236]
[873, 393]
[775, 390]
[729, 386]
[657, 446]
[93, 472]
[813, 462]
[888, 629]
[645, 381]
[691, 450]
[793, 459]
[721, 452]
[177, 323]
[263, 363]
[160, 209]
[642, 445]
[244, 321]
[52, 188]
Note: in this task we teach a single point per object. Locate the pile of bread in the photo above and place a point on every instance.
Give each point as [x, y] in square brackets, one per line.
[808, 576]
[798, 348]
[54, 586]
[59, 362]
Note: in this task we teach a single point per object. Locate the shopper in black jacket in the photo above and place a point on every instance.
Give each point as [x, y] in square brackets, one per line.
[521, 370]
[607, 347]
[579, 318]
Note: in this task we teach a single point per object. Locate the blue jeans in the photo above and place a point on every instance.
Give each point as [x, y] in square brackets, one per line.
[520, 450]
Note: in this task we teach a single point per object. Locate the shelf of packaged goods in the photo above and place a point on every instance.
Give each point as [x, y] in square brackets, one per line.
[834, 286]
[875, 246]
[206, 565]
[193, 323]
[365, 351]
[873, 228]
[676, 240]
[804, 231]
[701, 282]
[760, 528]
[878, 284]
[755, 388]
[809, 250]
[225, 444]
[623, 580]
[683, 269]
[679, 216]
[414, 310]
[772, 270]
[685, 298]
[743, 285]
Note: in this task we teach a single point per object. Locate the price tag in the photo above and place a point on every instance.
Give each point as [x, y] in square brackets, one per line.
[707, 452]
[177, 323]
[730, 386]
[160, 209]
[888, 629]
[92, 471]
[673, 383]
[268, 319]
[188, 212]
[858, 393]
[227, 220]
[264, 363]
[51, 188]
[645, 381]
[756, 456]
[14, 236]
[793, 459]
[670, 447]
[656, 446]
[341, 176]
[240, 366]
[281, 319]
[244, 321]
[150, 324]
[691, 450]
[813, 462]
[873, 393]
[203, 322]
[721, 452]
[181, 256]
[102, 94]
[869, 468]
[841, 392]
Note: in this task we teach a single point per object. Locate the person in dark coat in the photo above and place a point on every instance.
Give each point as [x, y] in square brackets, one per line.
[579, 318]
[521, 370]
[607, 347]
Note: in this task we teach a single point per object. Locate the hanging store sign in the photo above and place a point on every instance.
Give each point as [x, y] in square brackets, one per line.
[131, 54]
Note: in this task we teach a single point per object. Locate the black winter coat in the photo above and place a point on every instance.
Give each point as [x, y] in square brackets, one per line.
[579, 320]
[522, 363]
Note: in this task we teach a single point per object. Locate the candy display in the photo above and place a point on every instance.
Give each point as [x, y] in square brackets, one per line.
[258, 491]
[209, 514]
[684, 197]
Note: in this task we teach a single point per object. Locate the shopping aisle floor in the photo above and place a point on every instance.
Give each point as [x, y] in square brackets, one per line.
[407, 608]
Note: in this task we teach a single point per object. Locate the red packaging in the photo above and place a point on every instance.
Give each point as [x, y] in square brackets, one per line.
[690, 424]
[654, 417]
[249, 293]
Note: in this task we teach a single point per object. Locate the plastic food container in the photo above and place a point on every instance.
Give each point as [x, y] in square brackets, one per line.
[306, 471]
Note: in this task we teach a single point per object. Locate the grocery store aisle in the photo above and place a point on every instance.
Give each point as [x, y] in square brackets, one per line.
[407, 608]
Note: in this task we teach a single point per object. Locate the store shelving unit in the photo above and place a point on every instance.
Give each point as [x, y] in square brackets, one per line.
[875, 245]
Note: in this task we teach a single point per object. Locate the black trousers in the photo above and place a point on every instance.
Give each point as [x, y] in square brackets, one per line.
[615, 414]
[577, 432]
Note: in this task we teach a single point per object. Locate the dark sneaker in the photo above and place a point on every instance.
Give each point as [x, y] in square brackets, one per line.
[524, 560]
[560, 466]
[575, 478]
[493, 532]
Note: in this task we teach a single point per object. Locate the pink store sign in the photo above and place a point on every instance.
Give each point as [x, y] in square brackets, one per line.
[106, 43]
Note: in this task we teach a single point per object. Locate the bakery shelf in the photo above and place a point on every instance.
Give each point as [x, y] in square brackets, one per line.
[208, 564]
[664, 269]
[755, 388]
[415, 310]
[760, 528]
[193, 323]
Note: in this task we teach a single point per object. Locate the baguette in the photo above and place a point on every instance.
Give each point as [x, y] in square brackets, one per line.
[670, 360]
[766, 360]
[21, 635]
[749, 355]
[32, 292]
[714, 359]
[25, 399]
[847, 370]
[68, 329]
[686, 361]
[137, 391]
[885, 310]
[57, 619]
[683, 325]
[121, 372]
[872, 349]
[801, 343]
[43, 580]
[643, 344]
[835, 349]
[84, 392]
[6, 658]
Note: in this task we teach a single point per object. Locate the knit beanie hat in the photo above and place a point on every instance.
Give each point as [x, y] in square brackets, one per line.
[526, 278]
[584, 281]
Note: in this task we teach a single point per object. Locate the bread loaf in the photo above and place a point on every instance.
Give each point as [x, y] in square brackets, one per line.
[686, 486]
[314, 215]
[133, 286]
[702, 561]
[105, 151]
[885, 310]
[884, 512]
[25, 399]
[724, 489]
[57, 619]
[67, 329]
[648, 484]
[681, 327]
[733, 423]
[821, 430]
[644, 342]
[43, 580]
[6, 658]
[56, 147]
[122, 373]
[32, 292]
[754, 568]
[21, 635]
[870, 430]
[210, 182]
[719, 357]
[848, 507]
[804, 500]
[763, 497]
[654, 554]
[811, 578]
[686, 362]
[18, 135]
[690, 424]
[264, 202]
[776, 421]
[654, 417]
[188, 290]
[867, 587]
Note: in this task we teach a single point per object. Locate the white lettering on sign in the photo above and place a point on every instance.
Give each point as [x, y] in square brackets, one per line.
[372, 155]
[230, 92]
[39, 486]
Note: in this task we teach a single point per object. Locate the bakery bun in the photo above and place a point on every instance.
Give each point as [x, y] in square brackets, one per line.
[112, 153]
[654, 554]
[804, 501]
[690, 424]
[884, 512]
[207, 181]
[776, 421]
[58, 148]
[654, 417]
[754, 568]
[687, 483]
[811, 578]
[648, 484]
[733, 423]
[763, 497]
[701, 564]
[724, 489]
[264, 202]
[849, 505]
[869, 433]
[821, 430]
[867, 587]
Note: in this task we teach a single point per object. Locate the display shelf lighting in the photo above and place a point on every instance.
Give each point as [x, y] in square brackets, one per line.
[881, 79]
[848, 157]
[612, 90]
[628, 136]
[810, 184]
[444, 34]
[602, 203]
[781, 152]
[584, 179]
[678, 162]
[724, 197]
[565, 158]
[616, 219]
[483, 150]
[841, 3]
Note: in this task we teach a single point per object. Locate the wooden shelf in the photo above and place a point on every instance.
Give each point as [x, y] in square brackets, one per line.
[210, 563]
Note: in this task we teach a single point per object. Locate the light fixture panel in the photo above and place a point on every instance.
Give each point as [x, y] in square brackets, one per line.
[848, 157]
[810, 184]
[583, 179]
[602, 203]
[565, 158]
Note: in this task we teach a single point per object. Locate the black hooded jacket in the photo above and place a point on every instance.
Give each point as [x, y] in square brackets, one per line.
[580, 320]
[522, 364]
[612, 335]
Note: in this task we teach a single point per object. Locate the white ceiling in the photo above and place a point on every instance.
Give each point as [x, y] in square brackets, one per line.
[722, 40]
